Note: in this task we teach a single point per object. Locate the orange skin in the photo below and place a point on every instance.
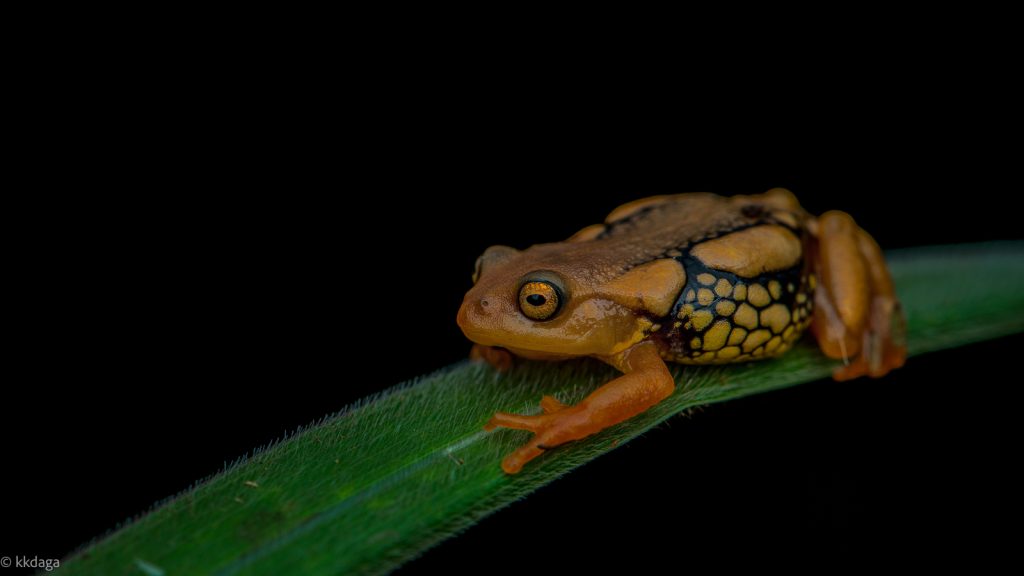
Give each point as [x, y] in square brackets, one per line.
[690, 278]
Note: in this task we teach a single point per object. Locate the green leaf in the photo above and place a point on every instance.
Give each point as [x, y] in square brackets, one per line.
[375, 485]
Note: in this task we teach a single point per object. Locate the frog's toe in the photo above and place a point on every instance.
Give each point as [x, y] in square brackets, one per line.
[550, 405]
[855, 369]
[883, 351]
[874, 365]
[517, 421]
[549, 433]
[515, 461]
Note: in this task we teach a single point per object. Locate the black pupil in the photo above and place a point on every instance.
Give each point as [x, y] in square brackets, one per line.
[536, 300]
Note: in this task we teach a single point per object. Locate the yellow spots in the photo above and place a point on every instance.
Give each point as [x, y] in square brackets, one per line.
[758, 296]
[723, 288]
[728, 353]
[813, 281]
[740, 294]
[656, 327]
[746, 316]
[705, 358]
[775, 317]
[705, 296]
[727, 321]
[725, 307]
[715, 337]
[755, 339]
[701, 319]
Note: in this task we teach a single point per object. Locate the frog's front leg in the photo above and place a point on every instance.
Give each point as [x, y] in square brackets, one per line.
[499, 358]
[646, 382]
[856, 315]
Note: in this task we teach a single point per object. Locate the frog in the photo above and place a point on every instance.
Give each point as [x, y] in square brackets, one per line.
[690, 279]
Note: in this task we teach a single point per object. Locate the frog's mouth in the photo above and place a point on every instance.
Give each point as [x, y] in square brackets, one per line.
[529, 346]
[486, 329]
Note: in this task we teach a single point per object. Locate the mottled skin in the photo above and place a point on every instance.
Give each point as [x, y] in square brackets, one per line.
[690, 278]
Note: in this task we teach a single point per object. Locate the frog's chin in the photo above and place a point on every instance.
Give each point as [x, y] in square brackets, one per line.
[537, 348]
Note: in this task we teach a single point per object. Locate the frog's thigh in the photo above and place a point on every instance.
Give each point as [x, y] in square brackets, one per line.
[841, 300]
[855, 304]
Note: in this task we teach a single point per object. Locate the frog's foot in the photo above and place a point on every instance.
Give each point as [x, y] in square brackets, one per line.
[857, 317]
[647, 381]
[549, 430]
[499, 358]
[882, 348]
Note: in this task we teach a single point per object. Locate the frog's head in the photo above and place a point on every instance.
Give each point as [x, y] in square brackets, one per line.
[554, 301]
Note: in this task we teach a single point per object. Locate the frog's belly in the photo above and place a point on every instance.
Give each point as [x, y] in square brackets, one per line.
[721, 318]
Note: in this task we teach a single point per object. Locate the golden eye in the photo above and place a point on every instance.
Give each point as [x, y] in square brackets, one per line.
[538, 300]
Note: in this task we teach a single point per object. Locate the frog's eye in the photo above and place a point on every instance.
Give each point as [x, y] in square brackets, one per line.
[539, 300]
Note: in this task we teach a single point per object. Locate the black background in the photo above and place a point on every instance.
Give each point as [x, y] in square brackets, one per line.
[204, 314]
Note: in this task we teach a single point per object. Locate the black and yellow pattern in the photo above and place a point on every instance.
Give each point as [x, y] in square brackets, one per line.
[721, 318]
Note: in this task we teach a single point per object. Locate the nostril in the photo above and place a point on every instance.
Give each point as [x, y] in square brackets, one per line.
[485, 303]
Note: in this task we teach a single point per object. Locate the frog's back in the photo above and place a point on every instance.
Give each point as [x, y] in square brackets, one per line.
[747, 294]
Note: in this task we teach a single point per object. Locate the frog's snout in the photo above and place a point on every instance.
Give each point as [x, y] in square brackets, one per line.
[473, 310]
[477, 314]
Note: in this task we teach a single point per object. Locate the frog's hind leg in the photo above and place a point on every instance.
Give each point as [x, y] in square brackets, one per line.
[646, 382]
[856, 314]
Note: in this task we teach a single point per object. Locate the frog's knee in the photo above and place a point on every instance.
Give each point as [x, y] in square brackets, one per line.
[837, 223]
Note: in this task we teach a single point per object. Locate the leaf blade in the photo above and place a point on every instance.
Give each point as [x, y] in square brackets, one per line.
[382, 481]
